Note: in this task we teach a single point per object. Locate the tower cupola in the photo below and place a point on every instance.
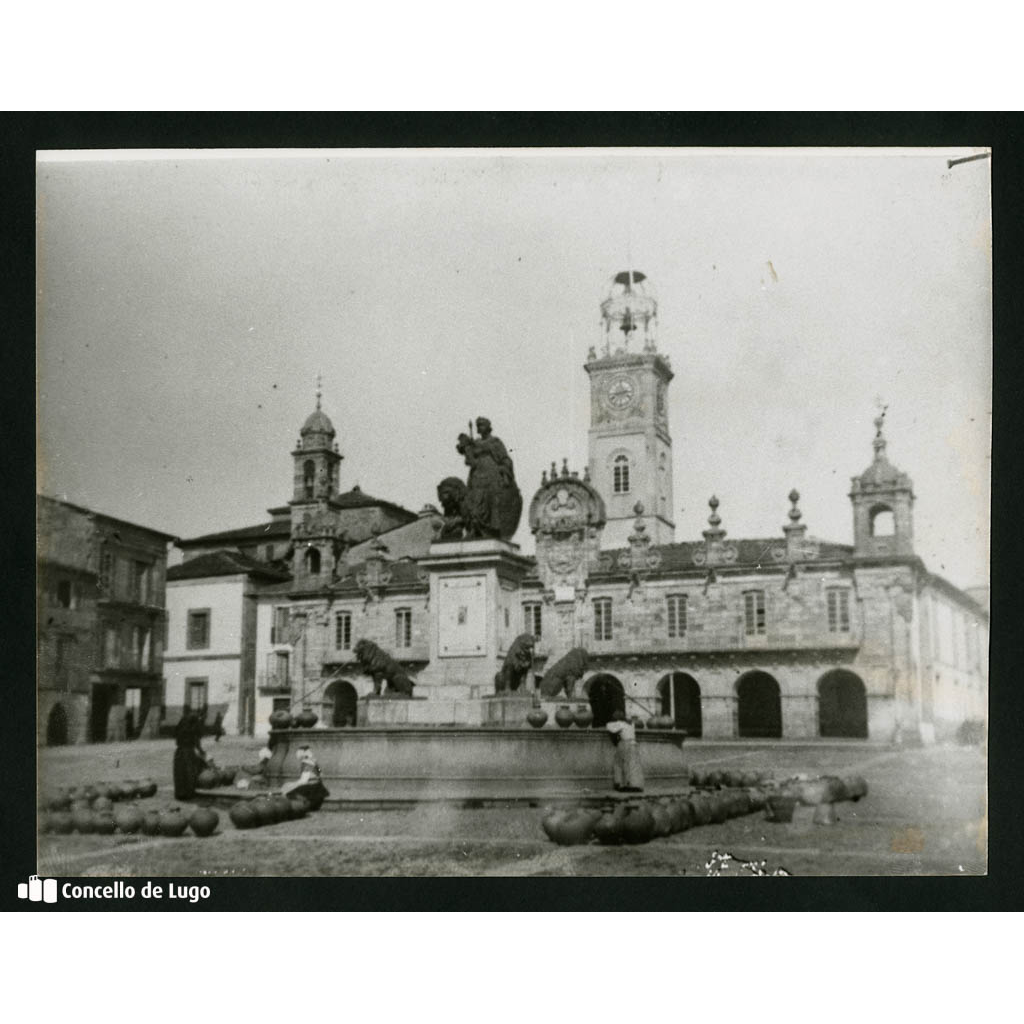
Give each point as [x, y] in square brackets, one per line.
[883, 505]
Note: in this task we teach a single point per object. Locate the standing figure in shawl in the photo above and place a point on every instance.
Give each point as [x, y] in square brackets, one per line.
[493, 504]
[628, 774]
[189, 758]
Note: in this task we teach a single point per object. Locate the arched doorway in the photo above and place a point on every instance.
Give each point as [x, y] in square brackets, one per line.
[606, 696]
[842, 705]
[57, 727]
[760, 706]
[340, 704]
[679, 696]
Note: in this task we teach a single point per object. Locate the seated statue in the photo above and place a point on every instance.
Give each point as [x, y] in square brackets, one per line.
[381, 668]
[451, 493]
[517, 664]
[565, 674]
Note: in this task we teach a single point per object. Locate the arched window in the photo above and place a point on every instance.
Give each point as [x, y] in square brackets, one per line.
[308, 476]
[312, 561]
[620, 475]
[883, 522]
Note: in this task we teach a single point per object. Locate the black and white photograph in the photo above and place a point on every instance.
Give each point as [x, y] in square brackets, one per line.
[513, 512]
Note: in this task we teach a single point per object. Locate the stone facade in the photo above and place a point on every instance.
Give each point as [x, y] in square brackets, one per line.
[786, 636]
[100, 625]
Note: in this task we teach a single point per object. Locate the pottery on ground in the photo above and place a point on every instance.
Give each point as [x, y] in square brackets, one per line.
[209, 778]
[282, 809]
[856, 787]
[103, 823]
[151, 823]
[608, 828]
[128, 819]
[173, 822]
[204, 821]
[61, 822]
[300, 806]
[662, 820]
[243, 815]
[264, 810]
[780, 807]
[638, 824]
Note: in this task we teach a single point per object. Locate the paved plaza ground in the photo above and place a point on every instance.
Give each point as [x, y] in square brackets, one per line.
[925, 814]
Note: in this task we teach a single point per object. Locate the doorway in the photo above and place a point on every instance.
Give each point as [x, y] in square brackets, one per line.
[760, 706]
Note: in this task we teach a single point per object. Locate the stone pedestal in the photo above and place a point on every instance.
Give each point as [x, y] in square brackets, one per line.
[506, 710]
[475, 615]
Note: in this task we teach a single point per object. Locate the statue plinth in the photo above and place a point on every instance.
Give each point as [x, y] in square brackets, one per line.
[475, 614]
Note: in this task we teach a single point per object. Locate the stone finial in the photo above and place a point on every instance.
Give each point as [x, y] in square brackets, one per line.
[565, 467]
[544, 478]
[638, 508]
[794, 512]
[554, 471]
[319, 388]
[586, 474]
[879, 442]
[639, 538]
[591, 354]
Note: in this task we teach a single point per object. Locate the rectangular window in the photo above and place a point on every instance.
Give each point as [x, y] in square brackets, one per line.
[343, 631]
[279, 626]
[111, 647]
[277, 669]
[677, 615]
[65, 594]
[198, 629]
[839, 610]
[106, 570]
[140, 582]
[196, 693]
[753, 613]
[403, 627]
[531, 619]
[603, 618]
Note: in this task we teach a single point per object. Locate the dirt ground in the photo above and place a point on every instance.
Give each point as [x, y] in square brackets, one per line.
[925, 814]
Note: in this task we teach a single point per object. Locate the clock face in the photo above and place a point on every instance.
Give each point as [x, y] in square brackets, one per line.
[620, 392]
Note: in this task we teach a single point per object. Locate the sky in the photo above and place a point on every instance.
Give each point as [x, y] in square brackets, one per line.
[186, 306]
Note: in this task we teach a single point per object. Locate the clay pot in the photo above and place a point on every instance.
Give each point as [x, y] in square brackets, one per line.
[300, 806]
[82, 819]
[147, 788]
[637, 722]
[719, 808]
[151, 823]
[583, 716]
[700, 809]
[128, 819]
[281, 720]
[749, 779]
[264, 810]
[682, 817]
[131, 789]
[173, 822]
[60, 801]
[103, 823]
[61, 822]
[209, 778]
[739, 804]
[696, 777]
[570, 828]
[780, 807]
[638, 824]
[227, 776]
[282, 809]
[102, 803]
[758, 799]
[89, 793]
[537, 717]
[243, 815]
[204, 821]
[662, 820]
[856, 787]
[564, 716]
[306, 718]
[835, 789]
[608, 828]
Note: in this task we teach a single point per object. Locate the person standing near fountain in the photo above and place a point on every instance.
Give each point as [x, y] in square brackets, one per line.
[627, 772]
[189, 758]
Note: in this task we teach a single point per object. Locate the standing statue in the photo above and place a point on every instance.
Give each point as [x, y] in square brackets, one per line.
[492, 505]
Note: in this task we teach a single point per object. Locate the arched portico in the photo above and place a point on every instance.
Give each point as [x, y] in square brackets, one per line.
[842, 705]
[679, 696]
[340, 704]
[606, 695]
[759, 710]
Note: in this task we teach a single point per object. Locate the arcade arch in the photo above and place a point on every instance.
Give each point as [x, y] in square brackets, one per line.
[842, 705]
[606, 696]
[340, 704]
[679, 696]
[759, 711]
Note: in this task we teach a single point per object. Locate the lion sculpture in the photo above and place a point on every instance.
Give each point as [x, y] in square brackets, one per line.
[381, 668]
[451, 492]
[517, 664]
[564, 674]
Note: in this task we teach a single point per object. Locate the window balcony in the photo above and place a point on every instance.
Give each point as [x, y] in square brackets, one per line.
[269, 683]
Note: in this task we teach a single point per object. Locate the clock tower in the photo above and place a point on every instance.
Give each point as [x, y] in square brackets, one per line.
[630, 446]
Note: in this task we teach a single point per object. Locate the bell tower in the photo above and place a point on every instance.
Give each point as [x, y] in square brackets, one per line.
[315, 531]
[630, 457]
[883, 505]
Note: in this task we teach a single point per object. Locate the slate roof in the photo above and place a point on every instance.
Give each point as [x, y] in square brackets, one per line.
[224, 563]
[279, 529]
[358, 499]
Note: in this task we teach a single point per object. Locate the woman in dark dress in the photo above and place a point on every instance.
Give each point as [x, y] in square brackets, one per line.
[188, 756]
